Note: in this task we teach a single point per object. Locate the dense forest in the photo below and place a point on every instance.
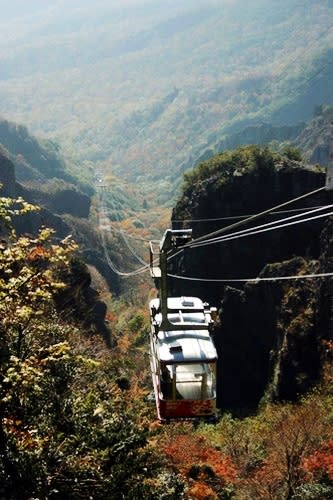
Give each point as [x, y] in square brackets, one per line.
[76, 420]
[143, 87]
[119, 120]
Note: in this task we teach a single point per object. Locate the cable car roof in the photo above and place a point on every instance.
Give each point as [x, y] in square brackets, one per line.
[185, 347]
[182, 303]
[188, 345]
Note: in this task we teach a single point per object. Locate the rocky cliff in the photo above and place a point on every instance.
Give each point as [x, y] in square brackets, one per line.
[7, 175]
[78, 295]
[36, 171]
[270, 337]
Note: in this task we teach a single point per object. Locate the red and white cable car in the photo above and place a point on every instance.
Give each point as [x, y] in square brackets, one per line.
[182, 352]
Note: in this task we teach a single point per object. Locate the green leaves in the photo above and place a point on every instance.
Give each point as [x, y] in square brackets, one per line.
[67, 426]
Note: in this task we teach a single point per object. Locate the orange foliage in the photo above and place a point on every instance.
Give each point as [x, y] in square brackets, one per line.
[320, 462]
[186, 451]
[38, 252]
[111, 317]
[201, 491]
[123, 344]
[263, 483]
[25, 437]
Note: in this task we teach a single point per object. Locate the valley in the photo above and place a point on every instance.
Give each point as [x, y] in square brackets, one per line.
[119, 120]
[144, 90]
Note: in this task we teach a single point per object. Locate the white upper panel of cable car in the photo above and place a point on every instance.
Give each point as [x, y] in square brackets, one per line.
[191, 308]
[181, 303]
[187, 346]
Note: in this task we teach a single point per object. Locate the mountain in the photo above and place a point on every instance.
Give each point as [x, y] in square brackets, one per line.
[35, 160]
[141, 87]
[36, 171]
[310, 137]
[272, 330]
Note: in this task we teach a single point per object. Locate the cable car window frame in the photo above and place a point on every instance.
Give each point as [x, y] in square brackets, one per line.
[170, 384]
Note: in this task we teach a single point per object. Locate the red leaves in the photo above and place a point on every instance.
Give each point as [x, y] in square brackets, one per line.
[205, 467]
[320, 463]
[38, 252]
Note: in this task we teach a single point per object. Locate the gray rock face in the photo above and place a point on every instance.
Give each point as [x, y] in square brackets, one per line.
[7, 175]
[271, 333]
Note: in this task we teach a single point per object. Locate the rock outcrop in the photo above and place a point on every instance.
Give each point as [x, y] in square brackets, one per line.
[7, 175]
[62, 199]
[271, 332]
[78, 295]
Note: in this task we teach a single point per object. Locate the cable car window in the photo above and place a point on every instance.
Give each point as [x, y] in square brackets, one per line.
[186, 318]
[195, 381]
[167, 381]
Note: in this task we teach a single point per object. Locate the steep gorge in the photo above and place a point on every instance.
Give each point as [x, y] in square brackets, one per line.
[271, 332]
[70, 214]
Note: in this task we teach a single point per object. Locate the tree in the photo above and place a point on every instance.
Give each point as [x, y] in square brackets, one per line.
[67, 428]
[209, 472]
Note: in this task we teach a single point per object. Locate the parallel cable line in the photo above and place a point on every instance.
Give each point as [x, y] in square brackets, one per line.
[129, 246]
[203, 238]
[252, 280]
[270, 226]
[254, 217]
[234, 217]
[111, 264]
[116, 270]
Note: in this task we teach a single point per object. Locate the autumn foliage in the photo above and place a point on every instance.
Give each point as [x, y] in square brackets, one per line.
[205, 468]
[320, 463]
[72, 423]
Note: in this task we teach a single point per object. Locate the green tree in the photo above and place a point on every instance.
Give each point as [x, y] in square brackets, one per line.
[67, 429]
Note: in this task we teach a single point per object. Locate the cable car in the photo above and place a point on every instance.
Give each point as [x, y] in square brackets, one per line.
[183, 359]
[182, 352]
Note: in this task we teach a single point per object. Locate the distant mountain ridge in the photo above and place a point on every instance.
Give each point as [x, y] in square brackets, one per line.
[310, 137]
[43, 180]
[34, 159]
[98, 79]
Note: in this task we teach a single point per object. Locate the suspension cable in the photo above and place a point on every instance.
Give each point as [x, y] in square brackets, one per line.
[235, 217]
[115, 269]
[254, 217]
[252, 280]
[111, 264]
[270, 226]
[197, 242]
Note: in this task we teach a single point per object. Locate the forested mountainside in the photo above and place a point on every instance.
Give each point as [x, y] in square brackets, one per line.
[36, 170]
[271, 333]
[310, 137]
[75, 421]
[45, 181]
[139, 88]
[35, 159]
[134, 94]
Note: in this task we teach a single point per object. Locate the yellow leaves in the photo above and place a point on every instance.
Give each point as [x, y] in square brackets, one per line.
[21, 376]
[54, 352]
[9, 208]
[23, 313]
[88, 362]
[99, 411]
[29, 271]
[24, 208]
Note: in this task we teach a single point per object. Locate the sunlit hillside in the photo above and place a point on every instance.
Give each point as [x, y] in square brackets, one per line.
[143, 86]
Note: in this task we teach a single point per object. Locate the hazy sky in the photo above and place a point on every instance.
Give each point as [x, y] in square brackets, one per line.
[17, 8]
